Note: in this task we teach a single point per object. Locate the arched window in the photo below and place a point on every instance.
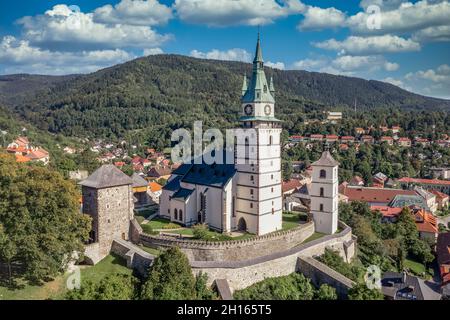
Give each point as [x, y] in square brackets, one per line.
[176, 214]
[251, 191]
[181, 215]
[323, 174]
[270, 140]
[321, 207]
[321, 192]
[252, 178]
[251, 205]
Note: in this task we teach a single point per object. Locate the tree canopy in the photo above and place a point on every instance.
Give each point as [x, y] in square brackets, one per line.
[40, 221]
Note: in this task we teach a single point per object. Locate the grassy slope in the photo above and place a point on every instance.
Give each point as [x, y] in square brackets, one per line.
[56, 289]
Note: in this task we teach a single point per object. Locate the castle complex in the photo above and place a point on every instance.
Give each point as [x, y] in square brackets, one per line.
[244, 195]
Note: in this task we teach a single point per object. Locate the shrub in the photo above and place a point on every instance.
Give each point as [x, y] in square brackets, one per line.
[200, 231]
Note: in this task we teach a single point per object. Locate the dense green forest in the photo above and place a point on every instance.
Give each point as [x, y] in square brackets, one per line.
[147, 98]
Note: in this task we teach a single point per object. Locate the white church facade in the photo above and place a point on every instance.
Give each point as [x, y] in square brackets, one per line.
[246, 194]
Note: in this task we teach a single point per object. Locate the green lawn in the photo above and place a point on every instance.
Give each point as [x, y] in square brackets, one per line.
[50, 290]
[290, 220]
[416, 267]
[213, 235]
[111, 264]
[57, 288]
[160, 223]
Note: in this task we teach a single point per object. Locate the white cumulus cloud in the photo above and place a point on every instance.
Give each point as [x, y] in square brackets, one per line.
[18, 56]
[134, 12]
[318, 18]
[235, 54]
[406, 17]
[235, 12]
[64, 29]
[356, 45]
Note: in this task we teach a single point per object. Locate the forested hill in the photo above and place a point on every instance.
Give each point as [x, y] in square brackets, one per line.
[168, 91]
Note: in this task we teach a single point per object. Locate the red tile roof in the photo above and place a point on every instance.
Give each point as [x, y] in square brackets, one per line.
[424, 181]
[332, 136]
[375, 195]
[439, 194]
[291, 185]
[386, 211]
[426, 222]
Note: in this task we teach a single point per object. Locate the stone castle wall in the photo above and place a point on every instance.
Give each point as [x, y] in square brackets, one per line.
[320, 273]
[234, 250]
[241, 274]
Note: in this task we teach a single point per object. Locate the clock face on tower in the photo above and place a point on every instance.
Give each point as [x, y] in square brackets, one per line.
[248, 109]
[267, 110]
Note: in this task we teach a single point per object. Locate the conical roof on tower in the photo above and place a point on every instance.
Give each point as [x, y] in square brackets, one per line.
[106, 176]
[326, 160]
[258, 89]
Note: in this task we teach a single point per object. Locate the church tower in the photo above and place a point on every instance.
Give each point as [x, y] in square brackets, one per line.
[324, 194]
[258, 200]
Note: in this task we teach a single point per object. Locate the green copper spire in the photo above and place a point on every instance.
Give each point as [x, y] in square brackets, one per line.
[271, 87]
[258, 55]
[258, 90]
[244, 85]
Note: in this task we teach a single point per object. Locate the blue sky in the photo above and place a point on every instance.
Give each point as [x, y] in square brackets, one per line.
[401, 42]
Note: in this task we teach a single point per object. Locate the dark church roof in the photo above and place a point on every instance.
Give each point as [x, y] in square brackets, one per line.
[182, 193]
[106, 176]
[214, 175]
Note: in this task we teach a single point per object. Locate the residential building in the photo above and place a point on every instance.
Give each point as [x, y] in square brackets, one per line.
[442, 199]
[334, 115]
[356, 181]
[402, 286]
[331, 138]
[441, 173]
[347, 139]
[373, 196]
[443, 259]
[360, 131]
[290, 186]
[140, 188]
[422, 141]
[428, 184]
[154, 190]
[159, 172]
[404, 142]
[367, 139]
[316, 137]
[389, 140]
